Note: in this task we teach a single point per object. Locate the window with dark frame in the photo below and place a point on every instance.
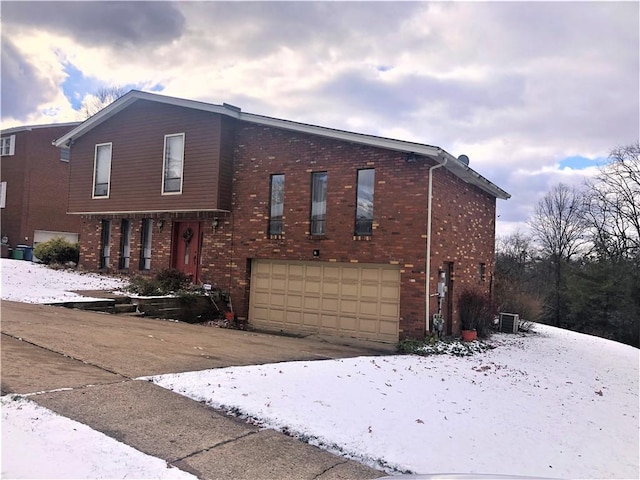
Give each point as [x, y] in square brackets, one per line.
[276, 209]
[145, 254]
[105, 243]
[318, 203]
[482, 272]
[125, 243]
[364, 202]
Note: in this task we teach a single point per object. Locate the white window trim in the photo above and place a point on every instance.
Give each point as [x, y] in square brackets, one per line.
[95, 161]
[164, 160]
[3, 194]
[12, 145]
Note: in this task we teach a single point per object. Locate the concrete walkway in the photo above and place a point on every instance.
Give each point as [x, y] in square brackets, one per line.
[99, 356]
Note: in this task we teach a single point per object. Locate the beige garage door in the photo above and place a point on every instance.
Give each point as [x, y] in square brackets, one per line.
[356, 300]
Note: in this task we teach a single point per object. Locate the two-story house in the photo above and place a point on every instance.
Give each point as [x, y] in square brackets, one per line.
[310, 229]
[34, 176]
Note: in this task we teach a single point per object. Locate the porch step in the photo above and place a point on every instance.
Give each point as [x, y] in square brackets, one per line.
[124, 308]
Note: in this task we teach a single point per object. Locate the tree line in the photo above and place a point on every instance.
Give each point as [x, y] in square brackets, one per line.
[579, 266]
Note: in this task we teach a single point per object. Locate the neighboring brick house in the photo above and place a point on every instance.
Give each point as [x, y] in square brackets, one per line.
[310, 229]
[35, 179]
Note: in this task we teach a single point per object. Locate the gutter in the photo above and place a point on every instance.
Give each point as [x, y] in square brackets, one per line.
[427, 284]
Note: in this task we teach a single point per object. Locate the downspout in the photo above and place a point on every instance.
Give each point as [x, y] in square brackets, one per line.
[428, 261]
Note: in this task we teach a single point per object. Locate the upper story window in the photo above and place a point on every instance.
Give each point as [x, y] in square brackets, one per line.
[364, 204]
[173, 163]
[102, 170]
[8, 145]
[318, 203]
[276, 209]
[3, 194]
[65, 154]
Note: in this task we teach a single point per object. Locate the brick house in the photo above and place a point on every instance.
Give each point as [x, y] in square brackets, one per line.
[35, 176]
[310, 229]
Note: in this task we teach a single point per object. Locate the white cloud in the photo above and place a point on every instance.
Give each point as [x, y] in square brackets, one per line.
[516, 86]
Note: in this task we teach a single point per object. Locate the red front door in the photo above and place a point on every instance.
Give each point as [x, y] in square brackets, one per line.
[186, 248]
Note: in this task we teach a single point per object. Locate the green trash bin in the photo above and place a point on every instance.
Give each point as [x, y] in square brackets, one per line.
[17, 254]
[27, 252]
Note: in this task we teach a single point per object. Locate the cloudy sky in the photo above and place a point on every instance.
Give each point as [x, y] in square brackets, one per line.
[534, 93]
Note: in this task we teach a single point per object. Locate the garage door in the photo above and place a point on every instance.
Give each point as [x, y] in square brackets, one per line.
[356, 300]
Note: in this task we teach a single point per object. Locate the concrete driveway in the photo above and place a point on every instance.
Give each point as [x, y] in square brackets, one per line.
[98, 355]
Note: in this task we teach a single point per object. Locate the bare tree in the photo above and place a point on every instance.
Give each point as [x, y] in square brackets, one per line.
[103, 97]
[515, 280]
[558, 227]
[613, 204]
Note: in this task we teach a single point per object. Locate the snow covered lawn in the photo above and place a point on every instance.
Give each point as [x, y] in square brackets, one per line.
[555, 404]
[29, 282]
[37, 443]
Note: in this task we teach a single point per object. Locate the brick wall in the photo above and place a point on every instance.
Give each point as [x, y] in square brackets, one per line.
[463, 217]
[37, 185]
[462, 230]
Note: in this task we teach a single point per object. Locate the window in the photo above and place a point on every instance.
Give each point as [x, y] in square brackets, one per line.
[65, 154]
[318, 202]
[276, 205]
[105, 240]
[482, 272]
[173, 162]
[145, 254]
[102, 170]
[364, 203]
[3, 194]
[7, 145]
[125, 243]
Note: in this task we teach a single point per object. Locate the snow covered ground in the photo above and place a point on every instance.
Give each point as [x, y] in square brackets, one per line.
[556, 404]
[29, 282]
[37, 443]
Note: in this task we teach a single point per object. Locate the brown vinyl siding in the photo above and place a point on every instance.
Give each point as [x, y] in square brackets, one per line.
[137, 137]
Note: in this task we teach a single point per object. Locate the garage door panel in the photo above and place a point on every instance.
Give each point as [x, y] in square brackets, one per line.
[330, 322]
[334, 298]
[311, 303]
[293, 317]
[350, 274]
[329, 304]
[390, 275]
[295, 285]
[313, 271]
[368, 325]
[349, 324]
[368, 308]
[331, 273]
[330, 288]
[370, 275]
[390, 292]
[389, 328]
[349, 306]
[294, 301]
[389, 310]
[296, 271]
[311, 319]
[369, 291]
[349, 290]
